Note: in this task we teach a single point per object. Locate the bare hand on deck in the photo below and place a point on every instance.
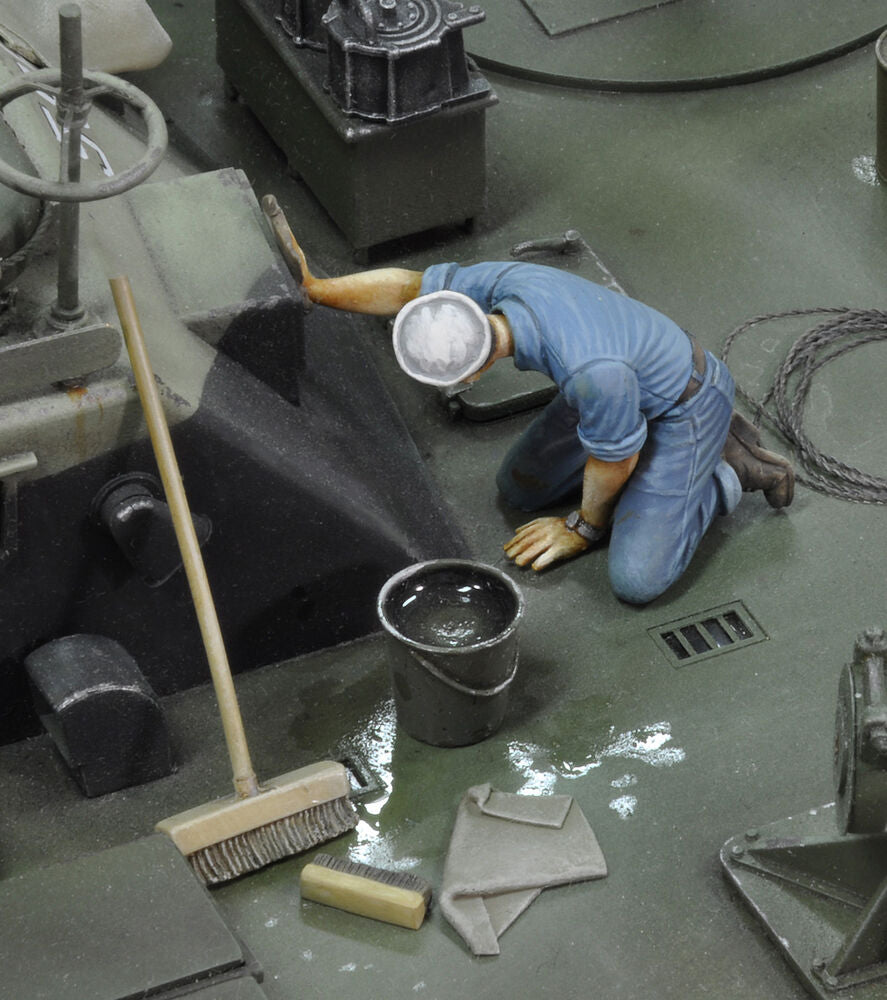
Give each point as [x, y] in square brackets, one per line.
[543, 542]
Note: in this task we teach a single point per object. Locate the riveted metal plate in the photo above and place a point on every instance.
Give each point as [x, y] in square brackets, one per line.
[707, 634]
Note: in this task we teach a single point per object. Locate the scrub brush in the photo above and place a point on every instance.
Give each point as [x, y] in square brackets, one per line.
[260, 824]
[396, 897]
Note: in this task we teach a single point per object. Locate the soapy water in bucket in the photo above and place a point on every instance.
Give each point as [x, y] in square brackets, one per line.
[452, 649]
[447, 610]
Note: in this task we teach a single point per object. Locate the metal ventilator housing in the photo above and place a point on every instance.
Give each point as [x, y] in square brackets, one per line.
[392, 60]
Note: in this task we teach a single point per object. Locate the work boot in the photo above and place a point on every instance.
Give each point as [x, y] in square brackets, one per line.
[757, 468]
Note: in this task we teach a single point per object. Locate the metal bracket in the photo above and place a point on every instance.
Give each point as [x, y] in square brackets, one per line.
[818, 882]
[10, 469]
[29, 365]
[863, 956]
[822, 897]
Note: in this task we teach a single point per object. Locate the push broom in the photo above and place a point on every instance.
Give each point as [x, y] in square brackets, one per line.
[260, 823]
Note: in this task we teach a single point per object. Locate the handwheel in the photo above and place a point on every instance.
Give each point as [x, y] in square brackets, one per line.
[49, 80]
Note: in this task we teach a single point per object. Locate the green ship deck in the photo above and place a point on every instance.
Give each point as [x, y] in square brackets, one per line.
[713, 205]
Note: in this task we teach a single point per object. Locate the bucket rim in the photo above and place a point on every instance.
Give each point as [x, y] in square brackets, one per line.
[414, 569]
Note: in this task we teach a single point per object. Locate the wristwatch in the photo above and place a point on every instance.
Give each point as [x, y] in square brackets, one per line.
[575, 522]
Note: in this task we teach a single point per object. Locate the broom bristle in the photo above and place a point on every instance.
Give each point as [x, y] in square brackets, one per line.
[249, 851]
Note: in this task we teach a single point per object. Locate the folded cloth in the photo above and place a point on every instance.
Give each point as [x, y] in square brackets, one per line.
[504, 850]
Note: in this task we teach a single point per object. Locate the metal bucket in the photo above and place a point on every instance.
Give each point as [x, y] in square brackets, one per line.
[452, 648]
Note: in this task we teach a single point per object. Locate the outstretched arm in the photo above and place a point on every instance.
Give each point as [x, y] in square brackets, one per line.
[382, 292]
[547, 540]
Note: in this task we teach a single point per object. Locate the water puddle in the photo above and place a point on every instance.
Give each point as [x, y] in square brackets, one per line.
[651, 745]
[374, 739]
[864, 170]
[624, 806]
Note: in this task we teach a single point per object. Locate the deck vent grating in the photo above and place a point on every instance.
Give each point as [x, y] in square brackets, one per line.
[709, 633]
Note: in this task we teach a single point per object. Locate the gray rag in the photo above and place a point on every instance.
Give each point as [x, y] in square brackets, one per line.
[505, 849]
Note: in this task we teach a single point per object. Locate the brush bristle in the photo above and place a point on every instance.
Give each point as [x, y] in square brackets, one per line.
[250, 851]
[399, 880]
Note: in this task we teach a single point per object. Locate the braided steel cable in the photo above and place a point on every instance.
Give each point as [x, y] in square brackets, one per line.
[844, 331]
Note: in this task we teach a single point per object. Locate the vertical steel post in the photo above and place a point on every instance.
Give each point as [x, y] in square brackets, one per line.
[71, 113]
[881, 112]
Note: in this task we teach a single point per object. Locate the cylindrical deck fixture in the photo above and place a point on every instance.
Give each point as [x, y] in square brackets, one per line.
[881, 113]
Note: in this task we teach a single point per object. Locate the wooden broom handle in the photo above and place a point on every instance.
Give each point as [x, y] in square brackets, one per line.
[245, 782]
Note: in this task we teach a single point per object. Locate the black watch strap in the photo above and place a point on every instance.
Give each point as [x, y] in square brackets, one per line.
[575, 522]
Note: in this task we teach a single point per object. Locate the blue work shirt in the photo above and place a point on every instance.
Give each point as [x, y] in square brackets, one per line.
[616, 361]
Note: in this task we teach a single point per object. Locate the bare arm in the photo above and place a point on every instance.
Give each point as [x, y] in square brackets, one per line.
[547, 539]
[381, 293]
[602, 483]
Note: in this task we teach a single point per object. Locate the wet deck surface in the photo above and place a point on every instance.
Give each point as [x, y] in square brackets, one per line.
[714, 207]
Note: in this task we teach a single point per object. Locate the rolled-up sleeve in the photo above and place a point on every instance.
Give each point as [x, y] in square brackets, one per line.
[477, 281]
[606, 395]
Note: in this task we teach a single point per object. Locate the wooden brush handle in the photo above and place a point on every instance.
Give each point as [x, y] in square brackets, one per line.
[245, 783]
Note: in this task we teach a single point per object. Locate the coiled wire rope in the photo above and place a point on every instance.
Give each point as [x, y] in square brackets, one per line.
[782, 405]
